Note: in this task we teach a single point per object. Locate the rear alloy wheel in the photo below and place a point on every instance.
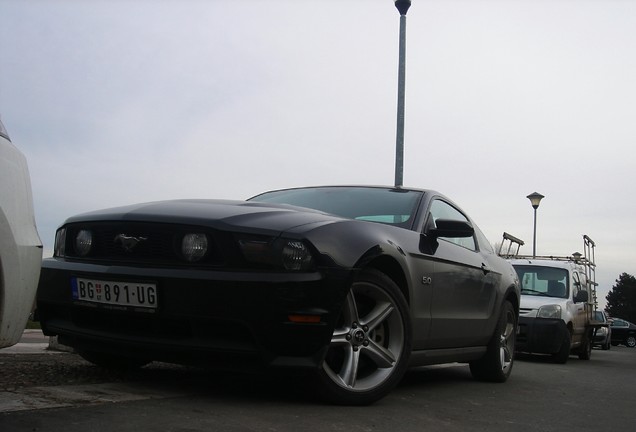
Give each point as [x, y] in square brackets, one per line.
[371, 343]
[630, 341]
[496, 364]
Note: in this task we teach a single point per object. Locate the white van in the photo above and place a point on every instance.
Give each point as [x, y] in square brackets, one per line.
[558, 301]
[555, 311]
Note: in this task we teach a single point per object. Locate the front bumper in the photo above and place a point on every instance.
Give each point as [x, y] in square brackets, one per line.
[540, 335]
[223, 319]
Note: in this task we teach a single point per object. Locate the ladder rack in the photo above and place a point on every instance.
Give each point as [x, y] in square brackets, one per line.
[512, 240]
[587, 260]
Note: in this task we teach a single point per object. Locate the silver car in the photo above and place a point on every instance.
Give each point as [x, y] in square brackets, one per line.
[603, 335]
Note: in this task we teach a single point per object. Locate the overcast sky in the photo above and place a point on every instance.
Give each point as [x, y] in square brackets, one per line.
[117, 102]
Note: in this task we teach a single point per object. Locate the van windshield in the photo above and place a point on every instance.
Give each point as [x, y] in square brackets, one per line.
[543, 281]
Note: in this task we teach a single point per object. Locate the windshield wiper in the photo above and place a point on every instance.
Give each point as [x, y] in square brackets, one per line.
[529, 290]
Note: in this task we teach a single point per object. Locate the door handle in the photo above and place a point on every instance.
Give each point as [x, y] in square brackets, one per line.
[485, 268]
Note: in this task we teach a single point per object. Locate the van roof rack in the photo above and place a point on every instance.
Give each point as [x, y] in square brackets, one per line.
[586, 259]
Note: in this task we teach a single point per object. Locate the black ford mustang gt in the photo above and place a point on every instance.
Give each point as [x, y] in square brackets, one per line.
[352, 283]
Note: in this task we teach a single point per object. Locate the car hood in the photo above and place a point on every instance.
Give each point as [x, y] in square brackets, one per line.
[219, 214]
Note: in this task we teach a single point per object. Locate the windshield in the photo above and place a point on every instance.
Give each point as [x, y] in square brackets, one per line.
[543, 281]
[389, 206]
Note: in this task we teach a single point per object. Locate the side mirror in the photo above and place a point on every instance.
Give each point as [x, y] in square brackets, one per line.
[581, 296]
[452, 229]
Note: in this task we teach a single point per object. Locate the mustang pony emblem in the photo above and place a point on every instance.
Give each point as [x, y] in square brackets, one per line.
[128, 243]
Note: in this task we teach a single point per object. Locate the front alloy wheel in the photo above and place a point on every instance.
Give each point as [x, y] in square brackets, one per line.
[371, 344]
[630, 341]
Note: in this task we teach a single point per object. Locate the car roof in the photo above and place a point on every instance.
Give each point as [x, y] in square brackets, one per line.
[396, 188]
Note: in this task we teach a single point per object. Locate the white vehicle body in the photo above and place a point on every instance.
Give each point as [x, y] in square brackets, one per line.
[558, 303]
[20, 245]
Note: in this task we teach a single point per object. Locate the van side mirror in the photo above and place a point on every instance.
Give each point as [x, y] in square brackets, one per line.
[581, 297]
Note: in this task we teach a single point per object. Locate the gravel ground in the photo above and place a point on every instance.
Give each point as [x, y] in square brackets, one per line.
[40, 362]
[65, 368]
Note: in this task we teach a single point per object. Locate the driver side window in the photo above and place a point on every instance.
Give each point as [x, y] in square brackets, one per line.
[442, 210]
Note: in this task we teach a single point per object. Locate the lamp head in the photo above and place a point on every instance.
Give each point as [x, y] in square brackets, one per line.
[402, 6]
[535, 198]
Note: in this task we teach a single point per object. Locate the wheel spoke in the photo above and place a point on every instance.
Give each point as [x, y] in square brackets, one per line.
[509, 331]
[505, 351]
[339, 337]
[349, 371]
[350, 316]
[377, 315]
[382, 357]
[350, 311]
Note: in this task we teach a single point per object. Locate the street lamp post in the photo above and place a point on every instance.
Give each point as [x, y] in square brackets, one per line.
[402, 7]
[535, 198]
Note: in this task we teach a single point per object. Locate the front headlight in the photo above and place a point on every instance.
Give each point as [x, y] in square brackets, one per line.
[83, 242]
[549, 311]
[59, 248]
[289, 254]
[296, 256]
[194, 246]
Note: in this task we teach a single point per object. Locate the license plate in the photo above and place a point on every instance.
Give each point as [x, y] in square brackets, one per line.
[133, 294]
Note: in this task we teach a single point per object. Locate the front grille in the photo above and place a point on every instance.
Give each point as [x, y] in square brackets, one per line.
[152, 244]
[146, 243]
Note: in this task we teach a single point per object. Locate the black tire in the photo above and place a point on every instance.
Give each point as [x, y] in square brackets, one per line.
[563, 355]
[371, 343]
[112, 361]
[585, 351]
[630, 341]
[496, 364]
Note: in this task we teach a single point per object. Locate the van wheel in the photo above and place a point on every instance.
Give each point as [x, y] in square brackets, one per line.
[585, 352]
[563, 354]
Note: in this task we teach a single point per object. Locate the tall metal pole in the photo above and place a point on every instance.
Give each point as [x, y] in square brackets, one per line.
[402, 6]
[534, 236]
[535, 199]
